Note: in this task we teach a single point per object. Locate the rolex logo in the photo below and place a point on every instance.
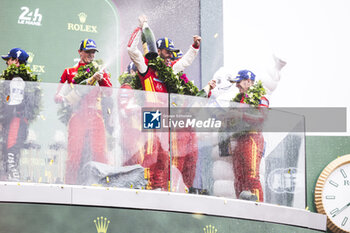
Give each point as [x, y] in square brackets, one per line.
[31, 57]
[82, 27]
[101, 224]
[35, 68]
[82, 17]
[209, 229]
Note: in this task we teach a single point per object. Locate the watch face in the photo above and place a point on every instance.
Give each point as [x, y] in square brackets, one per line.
[336, 197]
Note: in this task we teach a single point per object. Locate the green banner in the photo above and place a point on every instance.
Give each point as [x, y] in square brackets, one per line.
[40, 218]
[51, 32]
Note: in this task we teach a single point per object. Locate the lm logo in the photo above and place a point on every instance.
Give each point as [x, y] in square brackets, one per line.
[152, 120]
[283, 180]
[30, 17]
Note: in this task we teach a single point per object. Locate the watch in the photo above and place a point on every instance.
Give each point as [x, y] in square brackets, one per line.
[332, 194]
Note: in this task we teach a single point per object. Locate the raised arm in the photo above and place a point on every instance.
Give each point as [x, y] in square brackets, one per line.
[134, 53]
[189, 56]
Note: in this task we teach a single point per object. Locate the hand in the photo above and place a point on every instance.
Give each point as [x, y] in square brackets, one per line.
[212, 84]
[97, 76]
[196, 41]
[142, 20]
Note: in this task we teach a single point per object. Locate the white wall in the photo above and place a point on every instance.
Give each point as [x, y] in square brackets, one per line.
[313, 36]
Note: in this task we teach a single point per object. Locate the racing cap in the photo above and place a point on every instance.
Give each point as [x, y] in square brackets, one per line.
[177, 55]
[243, 74]
[131, 67]
[88, 44]
[16, 53]
[166, 43]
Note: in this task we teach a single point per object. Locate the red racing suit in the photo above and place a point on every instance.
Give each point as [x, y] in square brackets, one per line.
[86, 126]
[144, 148]
[69, 74]
[185, 161]
[247, 156]
[149, 79]
[184, 148]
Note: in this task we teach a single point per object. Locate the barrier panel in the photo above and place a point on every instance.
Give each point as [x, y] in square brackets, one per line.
[91, 135]
[260, 150]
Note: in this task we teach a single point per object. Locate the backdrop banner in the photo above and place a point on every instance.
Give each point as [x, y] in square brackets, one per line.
[33, 218]
[51, 32]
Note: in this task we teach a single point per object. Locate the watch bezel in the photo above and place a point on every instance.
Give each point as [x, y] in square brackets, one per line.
[321, 181]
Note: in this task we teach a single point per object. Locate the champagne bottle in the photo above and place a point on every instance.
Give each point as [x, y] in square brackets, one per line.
[149, 42]
[204, 92]
[90, 81]
[144, 44]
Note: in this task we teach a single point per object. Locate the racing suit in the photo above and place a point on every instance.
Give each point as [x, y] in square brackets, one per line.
[247, 156]
[150, 82]
[15, 128]
[149, 79]
[86, 126]
[69, 74]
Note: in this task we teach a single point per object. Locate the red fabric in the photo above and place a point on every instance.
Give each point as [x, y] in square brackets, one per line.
[105, 81]
[152, 156]
[151, 82]
[85, 128]
[148, 149]
[248, 153]
[126, 86]
[13, 132]
[69, 74]
[158, 159]
[264, 102]
[246, 162]
[195, 46]
[133, 36]
[256, 118]
[184, 154]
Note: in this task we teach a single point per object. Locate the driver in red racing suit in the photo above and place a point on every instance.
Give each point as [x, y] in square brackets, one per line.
[86, 125]
[151, 82]
[249, 150]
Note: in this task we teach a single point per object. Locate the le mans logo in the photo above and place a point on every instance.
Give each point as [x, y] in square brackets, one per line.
[152, 120]
[30, 17]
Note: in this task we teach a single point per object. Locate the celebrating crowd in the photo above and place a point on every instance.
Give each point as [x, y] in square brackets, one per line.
[156, 68]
